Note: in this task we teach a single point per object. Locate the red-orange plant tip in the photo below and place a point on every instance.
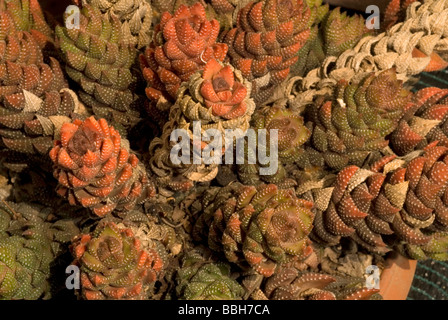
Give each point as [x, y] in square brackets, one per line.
[427, 110]
[395, 12]
[266, 40]
[221, 92]
[361, 294]
[402, 209]
[95, 171]
[290, 284]
[183, 44]
[435, 64]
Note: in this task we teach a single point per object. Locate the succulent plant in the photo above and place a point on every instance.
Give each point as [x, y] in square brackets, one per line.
[346, 129]
[436, 248]
[261, 227]
[334, 34]
[135, 17]
[421, 30]
[350, 207]
[396, 203]
[266, 41]
[17, 46]
[311, 54]
[29, 122]
[225, 11]
[341, 32]
[249, 173]
[290, 284]
[436, 62]
[395, 12]
[183, 43]
[113, 264]
[29, 242]
[96, 169]
[362, 161]
[99, 60]
[425, 202]
[27, 16]
[34, 96]
[424, 122]
[202, 279]
[25, 267]
[155, 234]
[223, 6]
[318, 10]
[291, 135]
[171, 6]
[218, 98]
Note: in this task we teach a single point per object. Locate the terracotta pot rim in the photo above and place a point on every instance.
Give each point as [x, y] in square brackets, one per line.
[397, 276]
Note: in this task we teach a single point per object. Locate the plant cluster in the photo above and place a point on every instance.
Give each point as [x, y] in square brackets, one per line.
[88, 115]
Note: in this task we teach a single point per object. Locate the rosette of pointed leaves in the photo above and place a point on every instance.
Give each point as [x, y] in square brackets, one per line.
[348, 209]
[135, 17]
[218, 98]
[311, 54]
[262, 227]
[37, 121]
[341, 31]
[199, 279]
[346, 129]
[99, 60]
[249, 173]
[336, 33]
[183, 43]
[34, 102]
[225, 11]
[29, 242]
[17, 46]
[27, 16]
[426, 202]
[113, 264]
[436, 248]
[318, 10]
[24, 262]
[95, 168]
[291, 135]
[266, 41]
[396, 203]
[290, 284]
[423, 122]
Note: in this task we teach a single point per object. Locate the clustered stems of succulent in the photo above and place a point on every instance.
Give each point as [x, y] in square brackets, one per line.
[95, 171]
[260, 227]
[181, 46]
[99, 59]
[87, 119]
[113, 264]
